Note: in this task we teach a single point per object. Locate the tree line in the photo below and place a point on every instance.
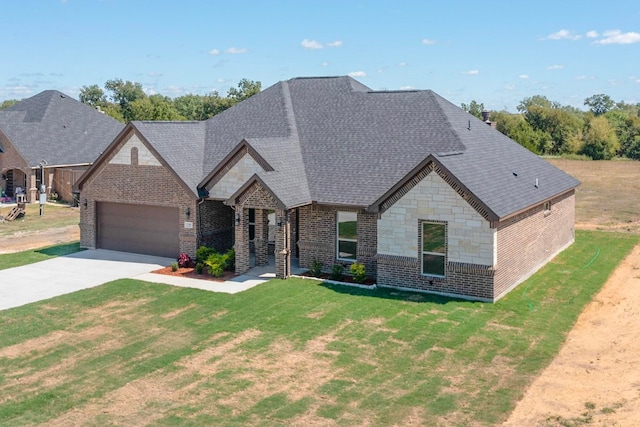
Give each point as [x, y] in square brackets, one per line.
[608, 129]
[126, 101]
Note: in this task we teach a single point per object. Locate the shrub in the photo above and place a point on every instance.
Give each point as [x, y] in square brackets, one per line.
[218, 263]
[184, 260]
[174, 266]
[203, 252]
[231, 260]
[316, 268]
[359, 272]
[337, 271]
[199, 267]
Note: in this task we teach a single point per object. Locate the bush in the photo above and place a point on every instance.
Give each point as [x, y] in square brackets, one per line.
[174, 266]
[359, 272]
[316, 268]
[199, 267]
[203, 252]
[218, 263]
[336, 272]
[184, 260]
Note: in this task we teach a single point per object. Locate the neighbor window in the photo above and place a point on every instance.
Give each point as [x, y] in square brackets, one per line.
[347, 242]
[433, 249]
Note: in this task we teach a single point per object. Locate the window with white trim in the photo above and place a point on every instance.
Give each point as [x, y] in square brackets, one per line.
[434, 249]
[347, 236]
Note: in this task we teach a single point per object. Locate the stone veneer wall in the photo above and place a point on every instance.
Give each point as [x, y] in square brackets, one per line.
[317, 237]
[135, 184]
[235, 177]
[216, 225]
[529, 240]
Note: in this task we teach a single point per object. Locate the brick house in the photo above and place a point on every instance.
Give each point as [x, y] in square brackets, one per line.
[423, 194]
[59, 132]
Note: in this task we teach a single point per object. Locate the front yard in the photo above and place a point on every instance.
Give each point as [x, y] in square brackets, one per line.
[291, 352]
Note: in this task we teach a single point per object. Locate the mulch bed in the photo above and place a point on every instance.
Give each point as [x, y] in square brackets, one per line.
[190, 272]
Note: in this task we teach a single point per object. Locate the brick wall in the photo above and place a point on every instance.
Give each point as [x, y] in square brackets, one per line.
[529, 240]
[136, 184]
[317, 237]
[216, 225]
[11, 159]
[64, 179]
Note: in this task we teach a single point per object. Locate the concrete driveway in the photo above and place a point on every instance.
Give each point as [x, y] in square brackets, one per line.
[70, 273]
[86, 269]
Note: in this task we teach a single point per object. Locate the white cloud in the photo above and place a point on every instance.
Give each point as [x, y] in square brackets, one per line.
[357, 74]
[510, 87]
[583, 77]
[523, 76]
[555, 67]
[429, 41]
[235, 50]
[563, 35]
[592, 34]
[314, 44]
[618, 37]
[311, 44]
[214, 52]
[471, 72]
[325, 64]
[407, 88]
[402, 64]
[220, 80]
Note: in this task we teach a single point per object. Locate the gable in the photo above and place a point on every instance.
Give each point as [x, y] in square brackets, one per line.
[470, 239]
[236, 174]
[10, 158]
[257, 196]
[144, 156]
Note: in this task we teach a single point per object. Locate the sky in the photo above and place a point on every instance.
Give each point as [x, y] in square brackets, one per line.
[494, 52]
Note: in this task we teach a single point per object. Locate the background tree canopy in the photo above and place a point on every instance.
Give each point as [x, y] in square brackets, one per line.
[609, 129]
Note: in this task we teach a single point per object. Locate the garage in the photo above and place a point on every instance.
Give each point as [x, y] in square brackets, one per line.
[143, 229]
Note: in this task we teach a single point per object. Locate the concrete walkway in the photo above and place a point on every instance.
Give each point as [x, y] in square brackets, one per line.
[86, 269]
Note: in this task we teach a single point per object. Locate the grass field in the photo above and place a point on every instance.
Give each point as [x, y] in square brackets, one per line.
[27, 257]
[55, 216]
[291, 352]
[609, 196]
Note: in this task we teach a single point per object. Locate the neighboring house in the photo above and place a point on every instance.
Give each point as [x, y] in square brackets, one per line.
[425, 195]
[50, 129]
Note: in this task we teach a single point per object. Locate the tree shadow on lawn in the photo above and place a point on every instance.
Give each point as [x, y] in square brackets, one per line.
[60, 250]
[393, 294]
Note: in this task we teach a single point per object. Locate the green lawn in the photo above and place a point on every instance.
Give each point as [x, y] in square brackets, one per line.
[28, 257]
[292, 351]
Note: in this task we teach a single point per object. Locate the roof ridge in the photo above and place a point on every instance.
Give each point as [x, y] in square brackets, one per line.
[293, 129]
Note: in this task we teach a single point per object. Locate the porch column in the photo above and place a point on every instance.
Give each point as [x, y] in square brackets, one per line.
[33, 189]
[261, 238]
[241, 245]
[50, 173]
[283, 252]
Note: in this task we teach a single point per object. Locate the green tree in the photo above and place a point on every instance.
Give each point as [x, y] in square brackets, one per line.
[154, 107]
[517, 128]
[600, 140]
[8, 103]
[600, 103]
[535, 101]
[190, 106]
[246, 88]
[474, 108]
[93, 95]
[124, 93]
[561, 125]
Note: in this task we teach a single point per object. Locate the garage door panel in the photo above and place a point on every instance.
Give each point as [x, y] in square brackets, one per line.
[152, 230]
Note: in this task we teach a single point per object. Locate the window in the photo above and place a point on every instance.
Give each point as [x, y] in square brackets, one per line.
[433, 249]
[347, 236]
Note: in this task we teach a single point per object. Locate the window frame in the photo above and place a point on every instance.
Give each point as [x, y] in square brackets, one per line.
[432, 253]
[339, 239]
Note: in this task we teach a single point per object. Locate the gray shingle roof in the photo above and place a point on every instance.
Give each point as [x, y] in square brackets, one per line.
[334, 141]
[57, 128]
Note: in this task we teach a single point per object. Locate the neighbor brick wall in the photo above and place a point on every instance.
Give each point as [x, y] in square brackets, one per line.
[11, 159]
[64, 179]
[529, 240]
